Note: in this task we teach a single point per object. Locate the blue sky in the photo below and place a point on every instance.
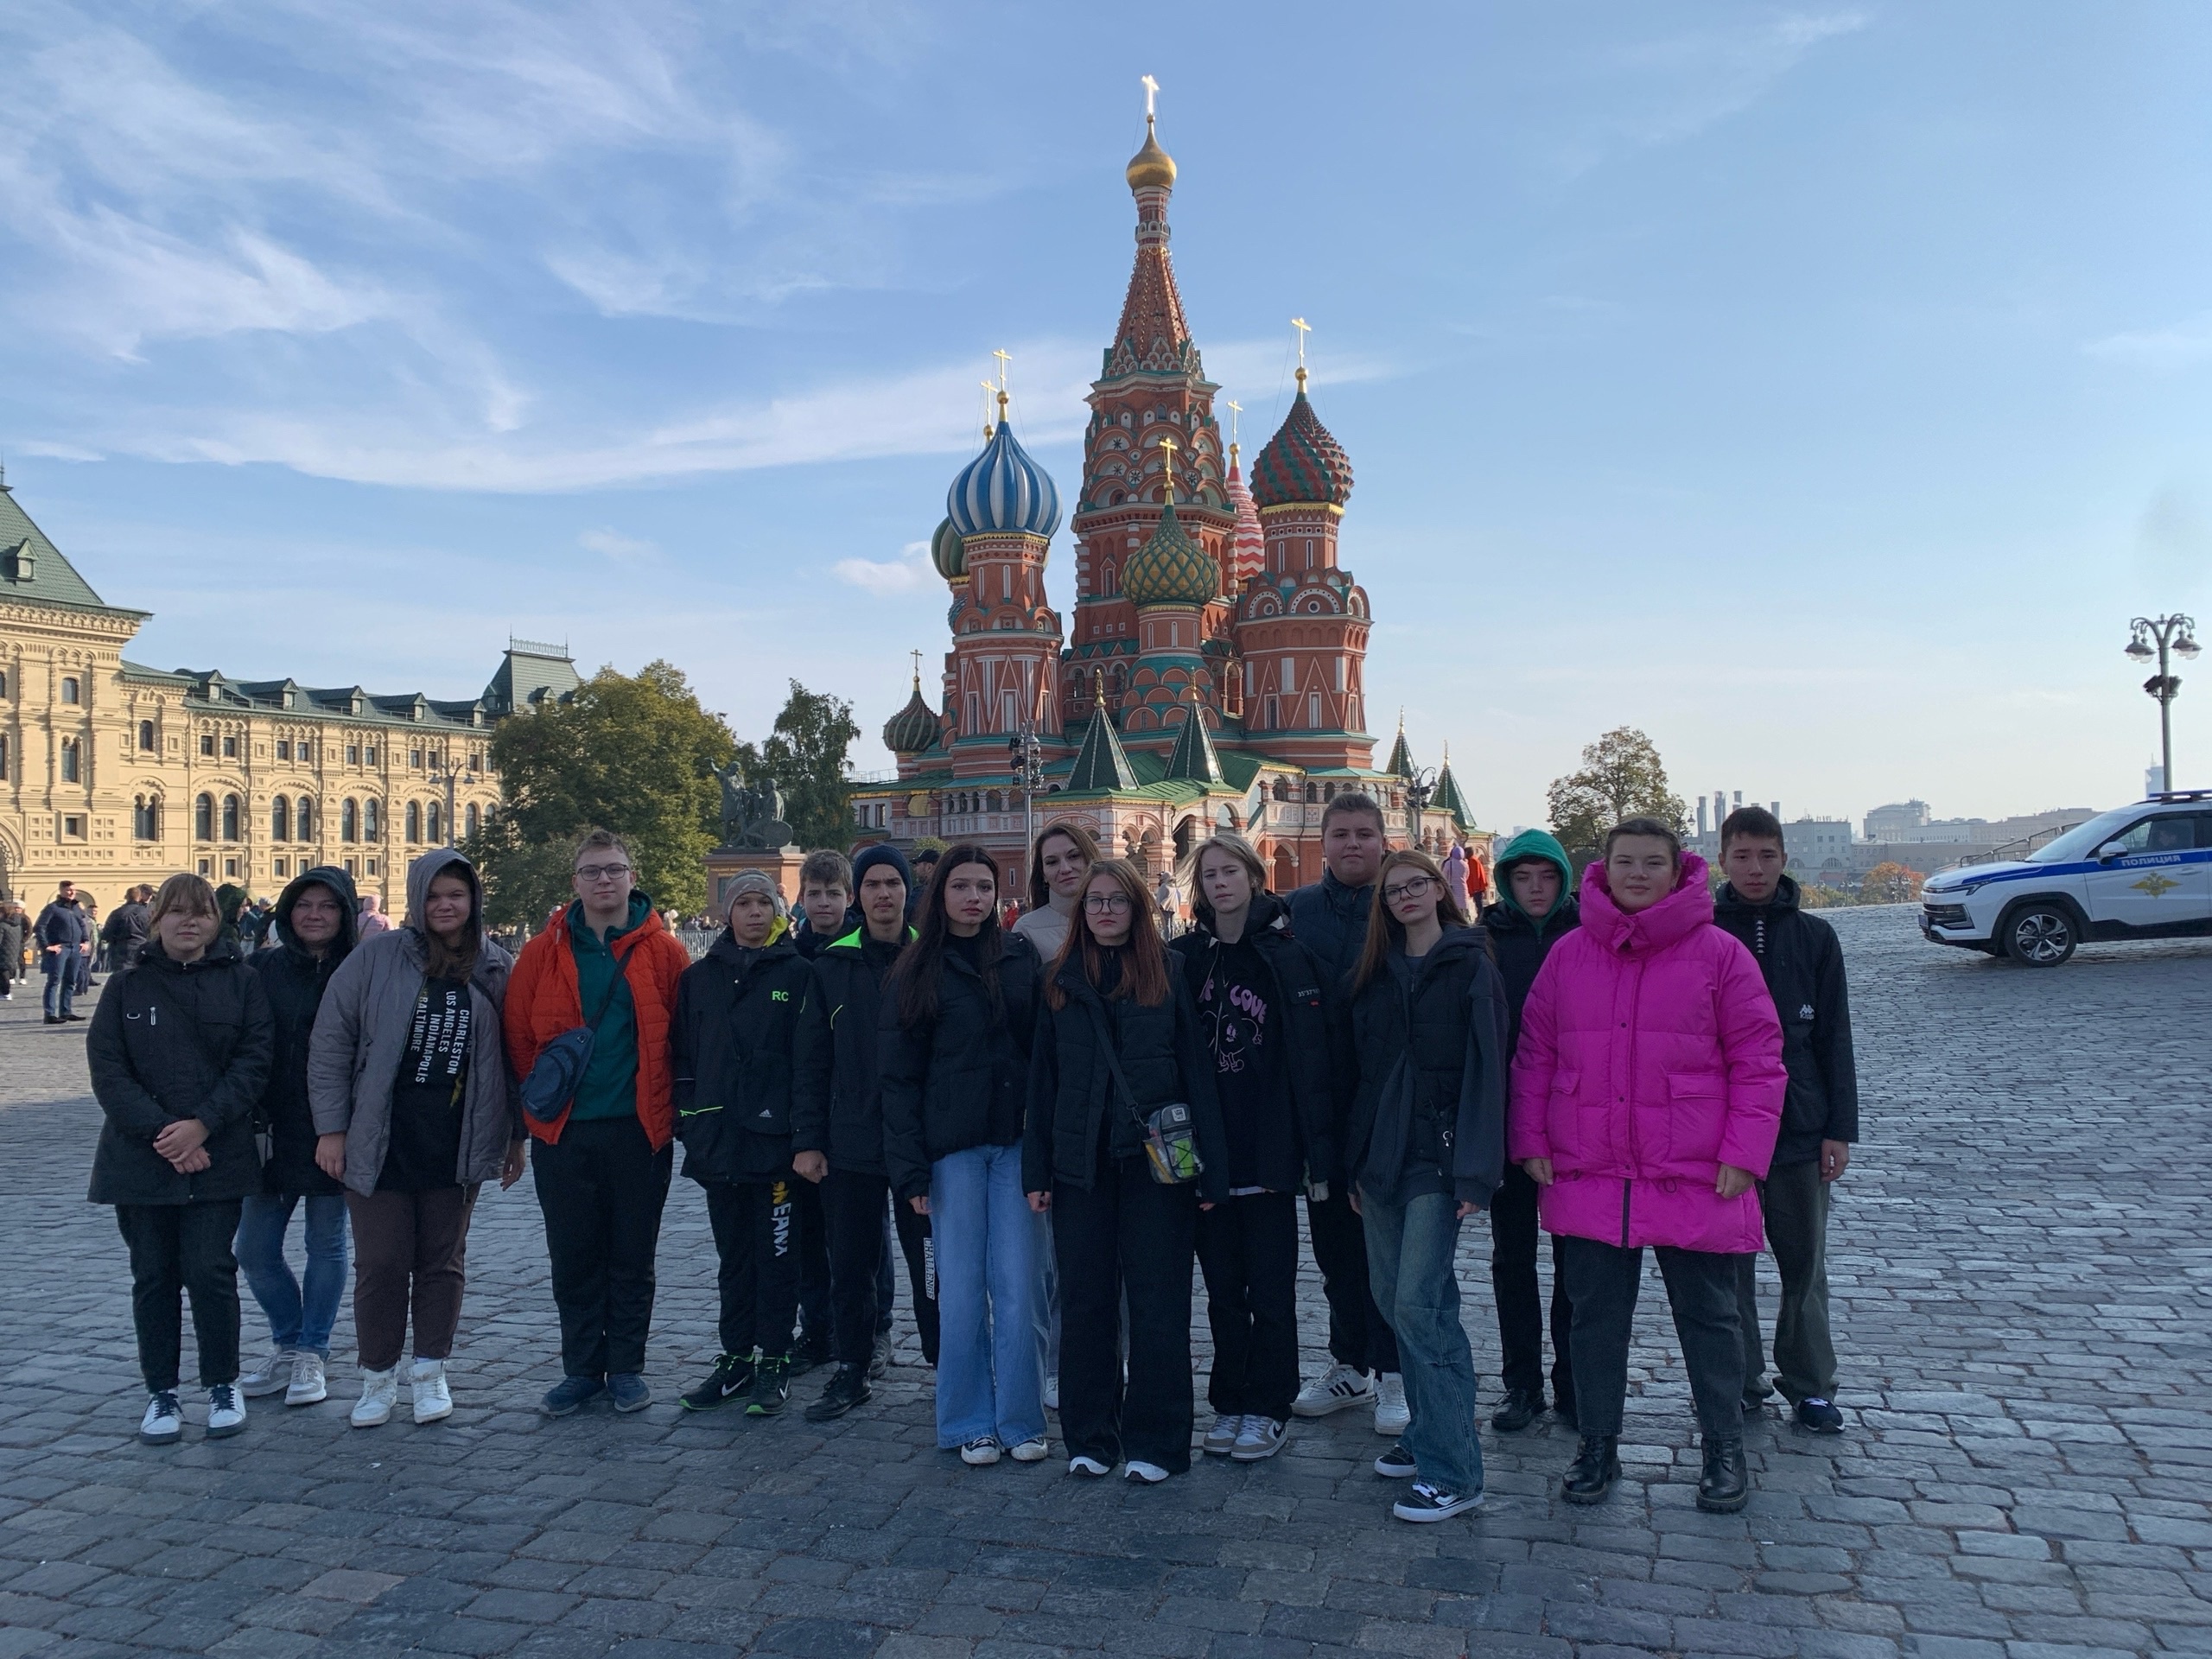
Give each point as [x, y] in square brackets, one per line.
[1821, 388]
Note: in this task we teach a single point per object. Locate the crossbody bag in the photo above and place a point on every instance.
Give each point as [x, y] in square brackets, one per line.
[558, 1071]
[1171, 1145]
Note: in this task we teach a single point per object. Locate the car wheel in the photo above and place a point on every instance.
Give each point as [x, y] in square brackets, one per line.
[2041, 934]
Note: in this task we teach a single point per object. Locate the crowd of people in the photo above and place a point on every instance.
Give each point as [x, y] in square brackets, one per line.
[1051, 1110]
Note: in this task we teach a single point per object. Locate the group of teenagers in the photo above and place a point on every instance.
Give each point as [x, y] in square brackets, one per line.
[1050, 1122]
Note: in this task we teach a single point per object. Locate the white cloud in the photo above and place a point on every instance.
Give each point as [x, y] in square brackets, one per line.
[911, 572]
[623, 549]
[2174, 348]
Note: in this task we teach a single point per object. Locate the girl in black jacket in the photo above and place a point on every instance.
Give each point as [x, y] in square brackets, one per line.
[1258, 999]
[1120, 1038]
[180, 1048]
[959, 1009]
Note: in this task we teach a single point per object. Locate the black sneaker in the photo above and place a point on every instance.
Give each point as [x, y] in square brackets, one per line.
[732, 1375]
[814, 1348]
[772, 1386]
[847, 1388]
[1396, 1464]
[1819, 1415]
[1427, 1503]
[1516, 1411]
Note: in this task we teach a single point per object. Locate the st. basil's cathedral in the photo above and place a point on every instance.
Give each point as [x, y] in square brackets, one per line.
[1214, 674]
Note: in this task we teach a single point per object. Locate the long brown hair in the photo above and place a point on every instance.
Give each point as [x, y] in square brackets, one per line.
[1385, 933]
[443, 961]
[915, 973]
[1144, 958]
[1040, 891]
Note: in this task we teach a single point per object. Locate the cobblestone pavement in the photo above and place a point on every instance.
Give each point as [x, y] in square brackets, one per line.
[2023, 1268]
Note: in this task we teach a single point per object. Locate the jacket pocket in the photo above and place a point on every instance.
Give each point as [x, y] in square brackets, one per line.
[1562, 1117]
[1697, 1106]
[710, 1144]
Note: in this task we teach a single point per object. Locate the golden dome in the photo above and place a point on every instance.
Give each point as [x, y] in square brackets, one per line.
[1152, 164]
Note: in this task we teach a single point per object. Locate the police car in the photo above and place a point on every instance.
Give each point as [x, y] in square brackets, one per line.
[2140, 872]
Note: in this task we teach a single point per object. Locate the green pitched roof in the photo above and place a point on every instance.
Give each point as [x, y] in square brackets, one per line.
[1447, 796]
[531, 674]
[1101, 763]
[32, 569]
[1401, 763]
[1193, 759]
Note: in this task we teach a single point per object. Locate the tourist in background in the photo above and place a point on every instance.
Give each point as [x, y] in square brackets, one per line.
[1535, 909]
[959, 1012]
[12, 945]
[125, 931]
[88, 958]
[1647, 1090]
[1424, 1149]
[602, 1164]
[1264, 1013]
[415, 1109]
[61, 937]
[372, 920]
[180, 1048]
[1120, 1040]
[1329, 918]
[313, 926]
[1801, 961]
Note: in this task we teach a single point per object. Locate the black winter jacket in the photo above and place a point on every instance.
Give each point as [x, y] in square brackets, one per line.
[1330, 920]
[736, 1033]
[959, 1083]
[124, 934]
[171, 1040]
[1305, 1148]
[1520, 949]
[1073, 1100]
[62, 924]
[1802, 961]
[293, 979]
[836, 1097]
[1425, 1037]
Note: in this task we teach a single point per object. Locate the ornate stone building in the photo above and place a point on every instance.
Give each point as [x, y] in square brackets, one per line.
[112, 773]
[1213, 672]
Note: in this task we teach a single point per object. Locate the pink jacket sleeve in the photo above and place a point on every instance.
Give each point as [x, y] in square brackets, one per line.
[1750, 1046]
[1526, 1133]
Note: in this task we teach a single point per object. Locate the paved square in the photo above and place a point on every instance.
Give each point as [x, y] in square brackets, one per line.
[2022, 1272]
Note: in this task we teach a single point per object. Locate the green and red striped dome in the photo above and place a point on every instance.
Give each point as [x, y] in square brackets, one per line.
[1302, 464]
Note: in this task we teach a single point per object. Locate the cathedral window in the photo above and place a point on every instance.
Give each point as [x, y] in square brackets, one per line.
[1314, 708]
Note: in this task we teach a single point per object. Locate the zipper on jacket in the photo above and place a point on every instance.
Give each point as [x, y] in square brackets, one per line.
[1626, 1185]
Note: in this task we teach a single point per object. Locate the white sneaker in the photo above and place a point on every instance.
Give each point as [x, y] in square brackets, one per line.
[1221, 1439]
[1052, 1394]
[427, 1382]
[1335, 1389]
[379, 1393]
[271, 1376]
[226, 1411]
[163, 1423]
[983, 1449]
[310, 1384]
[1392, 1414]
[1148, 1474]
[1091, 1467]
[1031, 1450]
[1263, 1437]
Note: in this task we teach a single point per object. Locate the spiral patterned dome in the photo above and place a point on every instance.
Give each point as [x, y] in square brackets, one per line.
[947, 554]
[1302, 463]
[1002, 492]
[914, 727]
[1171, 569]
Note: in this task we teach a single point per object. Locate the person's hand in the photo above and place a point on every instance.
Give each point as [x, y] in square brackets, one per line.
[811, 1164]
[1734, 1183]
[330, 1155]
[921, 1205]
[510, 1172]
[1352, 1197]
[1041, 1202]
[1466, 1208]
[1205, 1204]
[53, 949]
[1835, 1158]
[193, 1162]
[1538, 1170]
[185, 1135]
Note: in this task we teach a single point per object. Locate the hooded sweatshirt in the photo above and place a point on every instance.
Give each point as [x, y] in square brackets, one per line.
[1801, 961]
[294, 979]
[1522, 941]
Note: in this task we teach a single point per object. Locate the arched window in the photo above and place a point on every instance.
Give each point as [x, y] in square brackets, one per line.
[280, 819]
[3, 756]
[230, 817]
[72, 689]
[371, 820]
[349, 822]
[433, 824]
[72, 761]
[414, 822]
[304, 819]
[203, 817]
[146, 736]
[145, 818]
[474, 821]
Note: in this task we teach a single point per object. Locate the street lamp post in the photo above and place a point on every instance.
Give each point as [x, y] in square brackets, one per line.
[2155, 636]
[1027, 752]
[1420, 785]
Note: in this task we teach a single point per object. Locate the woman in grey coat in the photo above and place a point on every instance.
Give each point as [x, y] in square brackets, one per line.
[415, 1109]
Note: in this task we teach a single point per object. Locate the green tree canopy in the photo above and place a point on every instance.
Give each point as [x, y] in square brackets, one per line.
[632, 754]
[805, 755]
[1621, 777]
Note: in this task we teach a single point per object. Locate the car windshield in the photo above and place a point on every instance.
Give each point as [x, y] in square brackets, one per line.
[2084, 839]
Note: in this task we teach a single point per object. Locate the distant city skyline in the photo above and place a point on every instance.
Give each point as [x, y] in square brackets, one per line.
[1810, 387]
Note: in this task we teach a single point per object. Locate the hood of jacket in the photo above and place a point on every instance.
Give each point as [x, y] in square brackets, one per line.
[220, 949]
[1680, 913]
[1787, 896]
[743, 957]
[322, 875]
[229, 900]
[419, 876]
[1528, 845]
[1266, 913]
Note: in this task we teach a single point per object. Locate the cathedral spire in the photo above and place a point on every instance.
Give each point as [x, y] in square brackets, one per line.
[1153, 337]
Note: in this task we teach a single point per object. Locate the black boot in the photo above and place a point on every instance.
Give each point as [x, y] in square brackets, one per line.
[1516, 1411]
[847, 1388]
[1725, 1486]
[1597, 1466]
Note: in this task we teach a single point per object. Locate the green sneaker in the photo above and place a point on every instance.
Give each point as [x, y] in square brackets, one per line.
[772, 1386]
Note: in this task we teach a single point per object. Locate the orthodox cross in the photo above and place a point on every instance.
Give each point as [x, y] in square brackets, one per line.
[1236, 410]
[916, 656]
[1151, 91]
[1169, 446]
[1304, 328]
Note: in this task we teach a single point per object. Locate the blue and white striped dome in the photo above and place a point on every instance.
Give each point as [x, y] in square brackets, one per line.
[1003, 492]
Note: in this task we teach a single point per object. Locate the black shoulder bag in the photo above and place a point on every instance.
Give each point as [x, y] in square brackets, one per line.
[558, 1071]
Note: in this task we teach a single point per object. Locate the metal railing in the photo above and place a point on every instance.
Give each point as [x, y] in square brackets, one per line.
[2019, 847]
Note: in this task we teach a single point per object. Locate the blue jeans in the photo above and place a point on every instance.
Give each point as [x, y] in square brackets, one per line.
[60, 981]
[1409, 1264]
[987, 1347]
[298, 1318]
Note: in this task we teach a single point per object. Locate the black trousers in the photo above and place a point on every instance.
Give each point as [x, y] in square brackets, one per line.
[755, 1226]
[601, 1188]
[176, 1248]
[1358, 1334]
[1795, 1202]
[810, 1230]
[1128, 1233]
[1513, 1234]
[1602, 1281]
[1247, 1248]
[916, 1244]
[853, 1206]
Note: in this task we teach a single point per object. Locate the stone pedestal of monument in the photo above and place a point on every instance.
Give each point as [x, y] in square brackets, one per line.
[779, 864]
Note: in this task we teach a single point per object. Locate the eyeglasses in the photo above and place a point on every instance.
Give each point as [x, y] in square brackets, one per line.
[1106, 901]
[602, 872]
[1409, 889]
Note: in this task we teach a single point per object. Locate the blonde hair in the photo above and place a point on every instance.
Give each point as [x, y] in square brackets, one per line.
[187, 893]
[1227, 842]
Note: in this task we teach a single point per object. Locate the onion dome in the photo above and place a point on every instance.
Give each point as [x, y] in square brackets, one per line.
[1249, 543]
[1003, 492]
[1152, 165]
[914, 727]
[947, 554]
[1170, 568]
[1302, 464]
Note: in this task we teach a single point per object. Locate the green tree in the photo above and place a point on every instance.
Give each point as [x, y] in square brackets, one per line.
[805, 755]
[632, 754]
[1621, 778]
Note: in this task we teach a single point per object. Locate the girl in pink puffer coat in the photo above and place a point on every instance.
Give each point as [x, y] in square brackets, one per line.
[1647, 1092]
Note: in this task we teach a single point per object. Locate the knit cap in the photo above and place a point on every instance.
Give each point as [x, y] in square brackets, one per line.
[747, 881]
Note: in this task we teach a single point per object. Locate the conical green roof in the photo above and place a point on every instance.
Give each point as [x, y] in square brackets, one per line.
[1193, 759]
[1101, 763]
[1447, 796]
[1401, 763]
